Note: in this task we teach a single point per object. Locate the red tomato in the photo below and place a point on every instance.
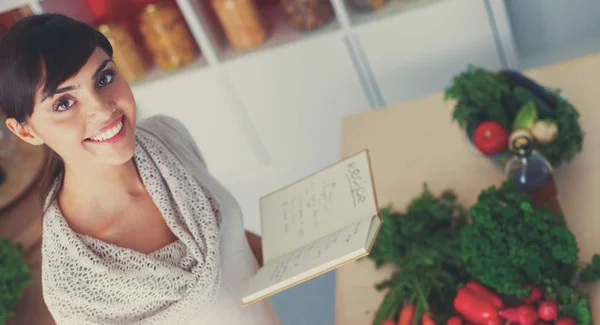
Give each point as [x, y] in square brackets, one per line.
[490, 138]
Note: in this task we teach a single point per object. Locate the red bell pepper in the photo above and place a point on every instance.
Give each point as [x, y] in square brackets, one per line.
[477, 308]
[485, 293]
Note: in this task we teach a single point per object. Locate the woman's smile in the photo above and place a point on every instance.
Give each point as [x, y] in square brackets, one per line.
[111, 133]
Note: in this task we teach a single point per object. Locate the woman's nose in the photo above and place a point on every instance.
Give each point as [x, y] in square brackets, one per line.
[101, 108]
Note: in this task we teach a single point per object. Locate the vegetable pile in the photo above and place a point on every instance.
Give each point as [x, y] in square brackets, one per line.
[14, 277]
[492, 106]
[424, 243]
[512, 263]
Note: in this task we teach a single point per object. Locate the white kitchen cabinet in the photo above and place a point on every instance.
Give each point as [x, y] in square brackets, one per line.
[419, 50]
[204, 107]
[296, 97]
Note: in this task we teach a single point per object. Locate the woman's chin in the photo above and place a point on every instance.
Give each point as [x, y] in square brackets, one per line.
[114, 155]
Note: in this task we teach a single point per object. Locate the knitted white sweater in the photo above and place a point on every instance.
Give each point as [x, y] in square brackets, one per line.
[236, 259]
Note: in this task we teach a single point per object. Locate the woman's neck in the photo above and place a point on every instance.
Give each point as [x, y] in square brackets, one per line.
[103, 184]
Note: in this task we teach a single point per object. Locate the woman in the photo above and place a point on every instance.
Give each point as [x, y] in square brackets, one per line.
[135, 229]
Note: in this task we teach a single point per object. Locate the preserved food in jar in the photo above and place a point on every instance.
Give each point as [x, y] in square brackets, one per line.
[166, 35]
[127, 56]
[242, 23]
[367, 5]
[307, 14]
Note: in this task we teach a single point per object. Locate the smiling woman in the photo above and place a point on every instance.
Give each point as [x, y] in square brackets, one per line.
[135, 229]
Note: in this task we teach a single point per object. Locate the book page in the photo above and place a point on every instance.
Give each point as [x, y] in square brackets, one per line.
[310, 260]
[317, 205]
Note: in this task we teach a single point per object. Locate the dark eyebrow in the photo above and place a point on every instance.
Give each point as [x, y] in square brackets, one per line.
[60, 91]
[69, 88]
[101, 67]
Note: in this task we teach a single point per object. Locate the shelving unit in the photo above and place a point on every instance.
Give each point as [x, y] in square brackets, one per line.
[156, 73]
[392, 8]
[276, 110]
[280, 33]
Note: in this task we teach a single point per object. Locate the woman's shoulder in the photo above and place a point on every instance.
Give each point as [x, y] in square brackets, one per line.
[162, 123]
[170, 130]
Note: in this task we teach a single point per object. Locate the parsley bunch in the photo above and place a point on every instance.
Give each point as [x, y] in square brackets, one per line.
[479, 94]
[510, 243]
[424, 243]
[14, 277]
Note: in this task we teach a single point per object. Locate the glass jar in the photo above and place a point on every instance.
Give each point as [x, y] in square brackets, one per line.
[307, 14]
[367, 5]
[127, 56]
[166, 35]
[242, 23]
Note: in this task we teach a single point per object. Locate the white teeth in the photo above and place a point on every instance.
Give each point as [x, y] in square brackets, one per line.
[109, 133]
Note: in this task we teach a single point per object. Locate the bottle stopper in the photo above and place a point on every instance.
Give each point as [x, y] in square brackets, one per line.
[521, 144]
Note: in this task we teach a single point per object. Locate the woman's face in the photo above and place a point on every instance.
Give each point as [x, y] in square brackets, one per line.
[90, 119]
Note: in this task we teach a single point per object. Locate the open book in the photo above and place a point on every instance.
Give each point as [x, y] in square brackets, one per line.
[315, 225]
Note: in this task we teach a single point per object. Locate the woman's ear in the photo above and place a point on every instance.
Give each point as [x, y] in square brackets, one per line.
[24, 132]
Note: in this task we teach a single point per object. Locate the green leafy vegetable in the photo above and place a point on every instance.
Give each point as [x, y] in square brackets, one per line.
[591, 272]
[478, 94]
[510, 243]
[424, 243]
[14, 277]
[569, 139]
[573, 302]
[482, 95]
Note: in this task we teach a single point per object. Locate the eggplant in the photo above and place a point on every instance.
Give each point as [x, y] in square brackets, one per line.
[516, 79]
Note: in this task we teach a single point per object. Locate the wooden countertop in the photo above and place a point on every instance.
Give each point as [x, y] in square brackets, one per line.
[416, 142]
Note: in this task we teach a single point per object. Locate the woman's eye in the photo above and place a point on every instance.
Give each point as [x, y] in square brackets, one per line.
[63, 104]
[105, 79]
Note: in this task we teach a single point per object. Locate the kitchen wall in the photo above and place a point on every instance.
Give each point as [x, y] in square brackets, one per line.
[547, 31]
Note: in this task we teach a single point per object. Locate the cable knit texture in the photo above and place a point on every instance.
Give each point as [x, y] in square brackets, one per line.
[88, 281]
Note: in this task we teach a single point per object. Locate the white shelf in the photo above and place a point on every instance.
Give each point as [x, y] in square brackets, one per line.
[279, 33]
[392, 8]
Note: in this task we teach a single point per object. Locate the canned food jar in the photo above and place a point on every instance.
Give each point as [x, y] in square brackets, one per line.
[307, 14]
[242, 23]
[126, 54]
[166, 35]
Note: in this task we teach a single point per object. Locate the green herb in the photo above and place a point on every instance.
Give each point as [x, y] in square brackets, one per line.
[510, 243]
[573, 302]
[482, 95]
[14, 277]
[478, 94]
[591, 272]
[424, 243]
[569, 139]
